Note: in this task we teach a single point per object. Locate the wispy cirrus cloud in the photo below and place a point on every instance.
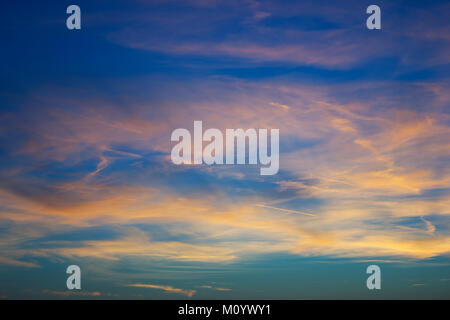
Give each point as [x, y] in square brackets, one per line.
[215, 288]
[169, 289]
[17, 263]
[74, 293]
[351, 156]
[300, 34]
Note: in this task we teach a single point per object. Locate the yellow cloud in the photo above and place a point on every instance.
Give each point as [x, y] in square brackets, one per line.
[169, 289]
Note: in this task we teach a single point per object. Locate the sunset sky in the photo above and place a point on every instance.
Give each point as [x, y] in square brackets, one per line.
[86, 176]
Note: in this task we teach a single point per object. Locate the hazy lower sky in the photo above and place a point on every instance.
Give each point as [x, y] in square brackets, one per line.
[86, 177]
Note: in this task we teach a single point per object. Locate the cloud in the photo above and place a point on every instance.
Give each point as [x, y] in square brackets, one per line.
[170, 289]
[430, 227]
[17, 263]
[215, 288]
[279, 105]
[328, 36]
[285, 210]
[73, 293]
[140, 246]
[357, 167]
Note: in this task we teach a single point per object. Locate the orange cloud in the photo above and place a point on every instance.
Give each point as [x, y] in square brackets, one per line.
[366, 163]
[170, 289]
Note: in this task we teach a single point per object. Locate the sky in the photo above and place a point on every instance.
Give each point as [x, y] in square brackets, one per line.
[86, 177]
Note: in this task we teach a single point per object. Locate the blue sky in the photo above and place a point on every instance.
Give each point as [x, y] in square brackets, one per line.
[86, 176]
